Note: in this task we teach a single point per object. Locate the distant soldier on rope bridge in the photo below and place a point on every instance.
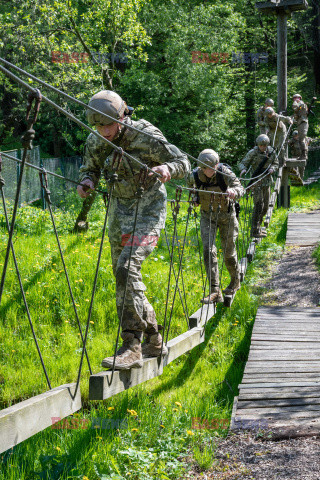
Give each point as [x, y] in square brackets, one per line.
[262, 159]
[217, 212]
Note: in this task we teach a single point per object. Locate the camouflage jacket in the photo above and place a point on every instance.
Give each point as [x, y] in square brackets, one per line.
[260, 116]
[272, 122]
[99, 158]
[300, 110]
[211, 185]
[295, 148]
[255, 158]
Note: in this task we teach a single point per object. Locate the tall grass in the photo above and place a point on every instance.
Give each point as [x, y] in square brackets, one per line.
[155, 439]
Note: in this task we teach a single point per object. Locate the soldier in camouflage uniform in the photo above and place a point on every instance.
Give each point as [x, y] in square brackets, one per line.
[261, 158]
[300, 116]
[295, 152]
[261, 114]
[138, 315]
[208, 177]
[277, 130]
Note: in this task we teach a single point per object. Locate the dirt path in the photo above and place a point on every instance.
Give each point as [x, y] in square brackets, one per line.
[295, 281]
[244, 456]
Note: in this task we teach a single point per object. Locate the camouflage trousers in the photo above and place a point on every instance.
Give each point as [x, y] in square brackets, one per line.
[138, 314]
[276, 141]
[261, 198]
[227, 224]
[303, 130]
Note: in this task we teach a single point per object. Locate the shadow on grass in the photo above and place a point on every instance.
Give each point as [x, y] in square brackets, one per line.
[36, 277]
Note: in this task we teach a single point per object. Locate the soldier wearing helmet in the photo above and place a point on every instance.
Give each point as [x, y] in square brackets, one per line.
[261, 160]
[296, 174]
[138, 316]
[212, 176]
[277, 130]
[261, 114]
[300, 115]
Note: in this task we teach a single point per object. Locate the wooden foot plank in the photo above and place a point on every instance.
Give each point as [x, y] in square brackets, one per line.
[244, 386]
[103, 385]
[250, 251]
[283, 338]
[277, 395]
[277, 403]
[283, 412]
[22, 421]
[205, 313]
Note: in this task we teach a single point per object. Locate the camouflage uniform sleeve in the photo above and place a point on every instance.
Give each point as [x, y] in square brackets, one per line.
[285, 119]
[246, 162]
[91, 163]
[189, 179]
[233, 183]
[154, 150]
[274, 160]
[260, 117]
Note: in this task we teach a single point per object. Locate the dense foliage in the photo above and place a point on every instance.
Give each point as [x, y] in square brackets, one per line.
[147, 47]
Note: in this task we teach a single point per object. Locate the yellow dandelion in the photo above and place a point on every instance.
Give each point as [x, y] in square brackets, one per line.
[110, 408]
[186, 411]
[59, 449]
[91, 321]
[134, 429]
[178, 404]
[162, 426]
[85, 478]
[189, 432]
[99, 438]
[175, 410]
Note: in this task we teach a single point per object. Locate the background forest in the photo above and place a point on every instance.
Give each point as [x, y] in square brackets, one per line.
[143, 50]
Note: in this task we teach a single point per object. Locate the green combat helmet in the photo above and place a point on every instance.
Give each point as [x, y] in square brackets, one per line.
[208, 158]
[269, 110]
[107, 102]
[269, 102]
[263, 140]
[296, 95]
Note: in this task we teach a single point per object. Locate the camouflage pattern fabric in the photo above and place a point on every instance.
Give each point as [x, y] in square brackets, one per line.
[277, 134]
[260, 120]
[231, 181]
[138, 315]
[255, 157]
[222, 218]
[227, 224]
[295, 150]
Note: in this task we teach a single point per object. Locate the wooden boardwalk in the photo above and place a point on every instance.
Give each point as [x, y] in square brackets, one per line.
[280, 389]
[303, 229]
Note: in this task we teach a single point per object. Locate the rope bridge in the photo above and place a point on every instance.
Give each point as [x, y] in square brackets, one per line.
[26, 418]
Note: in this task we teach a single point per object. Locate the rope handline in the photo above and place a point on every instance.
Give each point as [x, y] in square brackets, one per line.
[44, 185]
[2, 183]
[27, 144]
[231, 206]
[39, 169]
[79, 122]
[195, 214]
[139, 194]
[79, 102]
[180, 266]
[175, 207]
[182, 299]
[112, 181]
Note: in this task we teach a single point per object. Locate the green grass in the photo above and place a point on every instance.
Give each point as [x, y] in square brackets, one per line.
[159, 440]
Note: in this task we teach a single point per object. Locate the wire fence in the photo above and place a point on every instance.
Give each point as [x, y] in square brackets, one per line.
[31, 190]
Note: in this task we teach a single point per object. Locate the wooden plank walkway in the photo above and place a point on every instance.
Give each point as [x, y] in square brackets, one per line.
[280, 389]
[303, 229]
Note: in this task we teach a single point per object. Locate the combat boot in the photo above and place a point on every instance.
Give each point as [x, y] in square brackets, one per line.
[151, 346]
[129, 354]
[233, 286]
[214, 297]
